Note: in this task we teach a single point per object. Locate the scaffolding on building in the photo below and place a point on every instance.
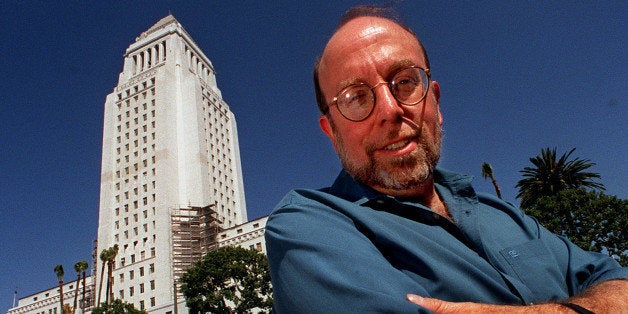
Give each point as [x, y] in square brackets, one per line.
[194, 233]
[88, 300]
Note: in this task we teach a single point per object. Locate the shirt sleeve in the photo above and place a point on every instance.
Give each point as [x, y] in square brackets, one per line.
[556, 261]
[584, 269]
[321, 263]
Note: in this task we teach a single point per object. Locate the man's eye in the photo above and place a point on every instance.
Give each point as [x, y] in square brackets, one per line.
[355, 97]
[406, 81]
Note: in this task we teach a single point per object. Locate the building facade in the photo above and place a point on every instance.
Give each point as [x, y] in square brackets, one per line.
[171, 177]
[171, 181]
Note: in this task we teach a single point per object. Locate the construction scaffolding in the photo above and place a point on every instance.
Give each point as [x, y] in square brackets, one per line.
[194, 232]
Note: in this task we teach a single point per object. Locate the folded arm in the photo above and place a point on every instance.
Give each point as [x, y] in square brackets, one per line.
[605, 297]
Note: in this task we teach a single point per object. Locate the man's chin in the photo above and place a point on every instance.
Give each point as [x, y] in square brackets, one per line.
[403, 179]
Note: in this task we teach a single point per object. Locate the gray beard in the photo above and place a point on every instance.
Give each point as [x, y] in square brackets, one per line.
[403, 173]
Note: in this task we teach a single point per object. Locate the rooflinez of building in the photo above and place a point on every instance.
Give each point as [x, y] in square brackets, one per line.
[171, 180]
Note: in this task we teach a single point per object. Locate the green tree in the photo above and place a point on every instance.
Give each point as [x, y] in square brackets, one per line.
[549, 176]
[227, 280]
[80, 268]
[487, 172]
[592, 220]
[117, 306]
[59, 272]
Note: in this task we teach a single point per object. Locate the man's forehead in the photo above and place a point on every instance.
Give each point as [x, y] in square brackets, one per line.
[365, 26]
[362, 32]
[372, 30]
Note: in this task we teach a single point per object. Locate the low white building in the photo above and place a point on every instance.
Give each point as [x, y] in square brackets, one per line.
[47, 301]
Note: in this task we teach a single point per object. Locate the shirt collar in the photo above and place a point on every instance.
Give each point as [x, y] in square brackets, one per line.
[448, 184]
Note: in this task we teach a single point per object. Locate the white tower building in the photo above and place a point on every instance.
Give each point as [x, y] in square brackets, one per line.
[171, 178]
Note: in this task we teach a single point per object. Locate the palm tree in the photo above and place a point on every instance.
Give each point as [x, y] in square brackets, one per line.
[104, 256]
[84, 268]
[550, 176]
[59, 271]
[80, 268]
[113, 252]
[487, 172]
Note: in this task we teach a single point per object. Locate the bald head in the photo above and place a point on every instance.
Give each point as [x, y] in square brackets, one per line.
[366, 17]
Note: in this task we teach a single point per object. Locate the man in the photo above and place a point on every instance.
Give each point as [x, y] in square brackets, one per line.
[395, 234]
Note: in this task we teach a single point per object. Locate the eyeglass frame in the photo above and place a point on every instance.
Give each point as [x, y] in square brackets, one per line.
[334, 101]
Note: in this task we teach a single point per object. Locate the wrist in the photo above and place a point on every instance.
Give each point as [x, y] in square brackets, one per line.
[576, 308]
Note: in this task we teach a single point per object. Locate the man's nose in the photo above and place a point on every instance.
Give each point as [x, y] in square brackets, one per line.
[387, 108]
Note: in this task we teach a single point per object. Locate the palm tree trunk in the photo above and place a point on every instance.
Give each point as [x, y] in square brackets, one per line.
[78, 283]
[102, 275]
[497, 188]
[83, 299]
[109, 293]
[61, 294]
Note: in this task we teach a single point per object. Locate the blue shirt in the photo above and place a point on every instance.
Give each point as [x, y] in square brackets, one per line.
[349, 248]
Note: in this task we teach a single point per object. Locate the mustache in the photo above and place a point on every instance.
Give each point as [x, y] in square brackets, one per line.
[414, 132]
[412, 124]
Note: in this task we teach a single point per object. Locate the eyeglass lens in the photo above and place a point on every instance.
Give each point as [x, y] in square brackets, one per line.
[408, 86]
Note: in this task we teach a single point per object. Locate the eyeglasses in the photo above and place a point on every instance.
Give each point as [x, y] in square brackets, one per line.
[409, 87]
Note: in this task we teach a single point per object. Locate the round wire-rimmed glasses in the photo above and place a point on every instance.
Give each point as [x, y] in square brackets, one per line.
[409, 87]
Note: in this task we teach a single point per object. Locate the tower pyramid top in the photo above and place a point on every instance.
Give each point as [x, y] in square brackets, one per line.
[169, 19]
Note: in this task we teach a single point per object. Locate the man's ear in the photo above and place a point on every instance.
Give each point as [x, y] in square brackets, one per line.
[325, 124]
[436, 91]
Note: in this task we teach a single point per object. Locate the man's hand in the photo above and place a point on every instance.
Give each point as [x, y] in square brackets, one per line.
[606, 297]
[444, 307]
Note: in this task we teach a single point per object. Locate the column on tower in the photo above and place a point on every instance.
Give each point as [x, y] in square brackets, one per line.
[146, 60]
[153, 56]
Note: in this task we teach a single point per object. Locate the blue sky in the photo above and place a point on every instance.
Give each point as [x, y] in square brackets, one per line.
[515, 76]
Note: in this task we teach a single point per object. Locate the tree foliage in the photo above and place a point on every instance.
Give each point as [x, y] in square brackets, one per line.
[592, 220]
[550, 176]
[228, 280]
[67, 309]
[117, 307]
